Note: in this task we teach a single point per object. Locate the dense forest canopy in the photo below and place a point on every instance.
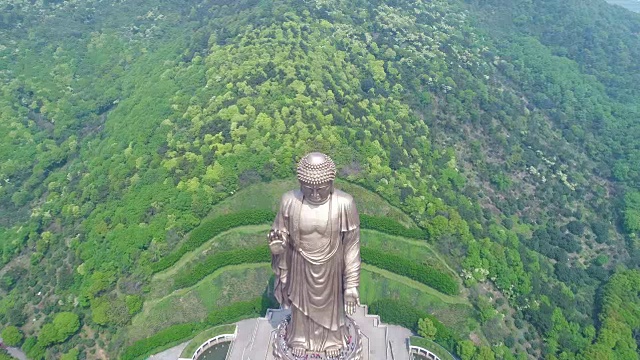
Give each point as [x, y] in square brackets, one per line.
[508, 131]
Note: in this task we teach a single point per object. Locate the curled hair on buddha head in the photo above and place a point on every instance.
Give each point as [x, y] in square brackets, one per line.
[316, 168]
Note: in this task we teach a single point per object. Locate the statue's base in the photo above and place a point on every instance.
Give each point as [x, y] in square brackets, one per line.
[255, 338]
[353, 350]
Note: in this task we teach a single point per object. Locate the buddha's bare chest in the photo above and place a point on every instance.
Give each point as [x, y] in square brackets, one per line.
[315, 222]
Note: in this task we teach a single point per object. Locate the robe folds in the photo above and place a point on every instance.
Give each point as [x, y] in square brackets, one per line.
[311, 278]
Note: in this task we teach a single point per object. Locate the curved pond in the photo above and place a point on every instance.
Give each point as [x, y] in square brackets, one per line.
[419, 357]
[216, 352]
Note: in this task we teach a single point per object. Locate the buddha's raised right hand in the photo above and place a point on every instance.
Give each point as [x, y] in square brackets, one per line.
[277, 240]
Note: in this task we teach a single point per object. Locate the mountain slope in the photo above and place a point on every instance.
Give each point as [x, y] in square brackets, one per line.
[513, 148]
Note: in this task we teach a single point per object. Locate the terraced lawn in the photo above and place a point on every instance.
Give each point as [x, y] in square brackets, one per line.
[240, 237]
[267, 196]
[251, 236]
[417, 250]
[222, 287]
[454, 311]
[374, 274]
[166, 306]
[247, 281]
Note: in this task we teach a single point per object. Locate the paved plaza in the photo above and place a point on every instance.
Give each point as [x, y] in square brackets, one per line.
[380, 341]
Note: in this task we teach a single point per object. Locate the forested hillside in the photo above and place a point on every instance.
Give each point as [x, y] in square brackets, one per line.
[506, 131]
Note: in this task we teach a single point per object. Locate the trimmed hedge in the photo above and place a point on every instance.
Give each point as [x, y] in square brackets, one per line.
[172, 334]
[221, 259]
[238, 310]
[211, 228]
[391, 227]
[418, 272]
[394, 263]
[175, 334]
[400, 312]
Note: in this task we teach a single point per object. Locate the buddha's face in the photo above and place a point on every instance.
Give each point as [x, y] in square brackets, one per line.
[316, 193]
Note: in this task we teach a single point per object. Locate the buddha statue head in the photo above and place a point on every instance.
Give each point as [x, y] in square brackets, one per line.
[316, 173]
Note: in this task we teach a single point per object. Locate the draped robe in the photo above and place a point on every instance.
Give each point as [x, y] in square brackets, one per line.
[311, 278]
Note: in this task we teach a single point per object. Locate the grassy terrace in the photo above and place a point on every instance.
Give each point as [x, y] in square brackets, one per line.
[254, 235]
[237, 238]
[168, 304]
[454, 311]
[267, 196]
[222, 287]
[246, 281]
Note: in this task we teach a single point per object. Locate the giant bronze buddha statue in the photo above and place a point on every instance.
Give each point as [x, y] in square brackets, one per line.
[315, 246]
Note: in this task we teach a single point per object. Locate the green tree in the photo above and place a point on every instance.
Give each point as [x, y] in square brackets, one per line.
[466, 349]
[33, 349]
[64, 325]
[48, 335]
[12, 336]
[100, 281]
[134, 303]
[71, 355]
[426, 329]
[110, 310]
[486, 311]
[632, 212]
[5, 355]
[100, 310]
[484, 353]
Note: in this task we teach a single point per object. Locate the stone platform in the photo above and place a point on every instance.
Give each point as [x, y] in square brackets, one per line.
[254, 337]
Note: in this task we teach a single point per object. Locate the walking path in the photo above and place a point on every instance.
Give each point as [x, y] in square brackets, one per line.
[417, 285]
[16, 352]
[170, 354]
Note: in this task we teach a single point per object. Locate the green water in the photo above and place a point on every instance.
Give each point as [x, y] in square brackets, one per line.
[218, 352]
